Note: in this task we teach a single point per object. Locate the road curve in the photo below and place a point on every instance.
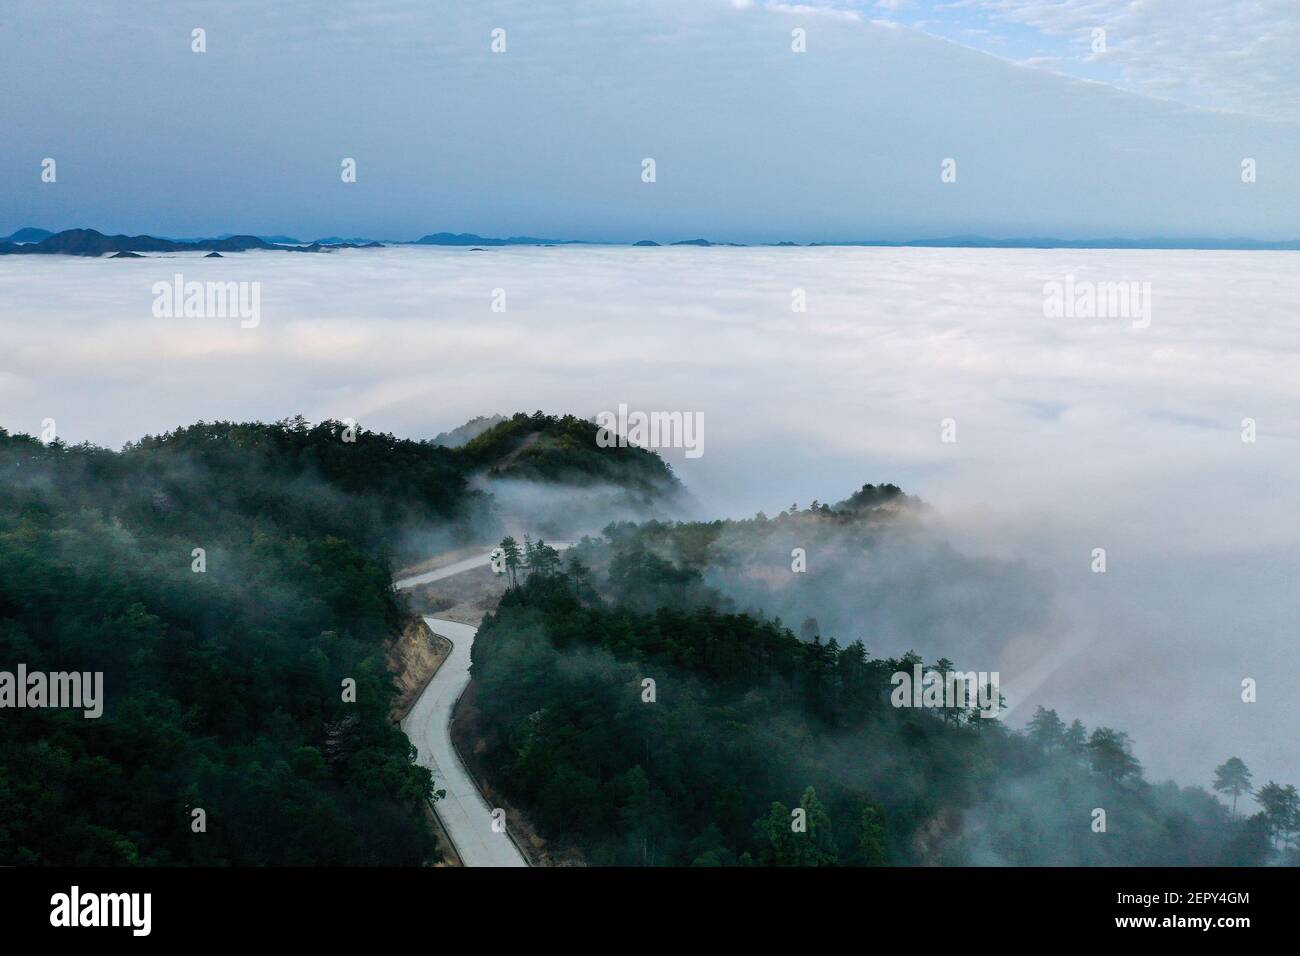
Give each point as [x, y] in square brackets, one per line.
[468, 564]
[463, 811]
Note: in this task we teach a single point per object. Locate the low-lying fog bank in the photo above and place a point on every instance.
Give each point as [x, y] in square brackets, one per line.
[1071, 433]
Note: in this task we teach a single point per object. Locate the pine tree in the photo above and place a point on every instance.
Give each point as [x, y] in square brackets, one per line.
[1075, 739]
[530, 554]
[1111, 756]
[1232, 776]
[871, 838]
[1046, 729]
[511, 548]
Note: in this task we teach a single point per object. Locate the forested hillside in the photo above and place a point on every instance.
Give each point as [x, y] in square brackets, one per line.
[744, 723]
[222, 684]
[226, 579]
[540, 447]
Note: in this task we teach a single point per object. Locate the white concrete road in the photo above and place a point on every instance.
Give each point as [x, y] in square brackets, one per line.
[464, 813]
[469, 564]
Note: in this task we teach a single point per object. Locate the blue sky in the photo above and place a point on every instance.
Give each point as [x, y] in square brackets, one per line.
[1236, 55]
[752, 141]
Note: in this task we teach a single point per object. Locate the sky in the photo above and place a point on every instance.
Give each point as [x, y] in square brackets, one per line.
[1231, 55]
[752, 141]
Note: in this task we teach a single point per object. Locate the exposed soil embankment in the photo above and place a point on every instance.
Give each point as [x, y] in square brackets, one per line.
[413, 658]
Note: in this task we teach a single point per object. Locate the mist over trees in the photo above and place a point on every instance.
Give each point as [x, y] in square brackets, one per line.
[871, 565]
[223, 666]
[227, 578]
[232, 581]
[552, 450]
[746, 731]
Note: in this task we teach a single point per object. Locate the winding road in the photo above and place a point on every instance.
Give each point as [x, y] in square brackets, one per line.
[464, 812]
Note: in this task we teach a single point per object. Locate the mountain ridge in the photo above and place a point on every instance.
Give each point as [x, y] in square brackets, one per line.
[93, 243]
[30, 240]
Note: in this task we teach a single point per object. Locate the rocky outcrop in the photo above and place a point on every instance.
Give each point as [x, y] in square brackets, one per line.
[413, 658]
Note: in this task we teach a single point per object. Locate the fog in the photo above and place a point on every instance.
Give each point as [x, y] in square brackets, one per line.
[1071, 433]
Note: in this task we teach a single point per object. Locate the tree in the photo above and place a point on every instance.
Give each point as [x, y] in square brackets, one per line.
[1111, 755]
[943, 667]
[1281, 810]
[997, 703]
[776, 841]
[529, 554]
[1075, 739]
[1232, 777]
[1046, 729]
[580, 575]
[511, 548]
[871, 838]
[819, 830]
[779, 844]
[546, 560]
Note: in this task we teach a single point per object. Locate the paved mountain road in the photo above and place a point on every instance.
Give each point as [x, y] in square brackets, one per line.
[464, 813]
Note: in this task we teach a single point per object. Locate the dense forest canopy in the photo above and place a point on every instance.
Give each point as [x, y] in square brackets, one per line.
[222, 673]
[223, 666]
[745, 725]
[229, 580]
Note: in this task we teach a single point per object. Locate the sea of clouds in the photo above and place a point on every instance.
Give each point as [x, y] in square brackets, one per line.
[1072, 434]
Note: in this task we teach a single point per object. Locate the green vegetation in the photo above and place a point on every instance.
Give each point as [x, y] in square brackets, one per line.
[544, 448]
[224, 688]
[744, 724]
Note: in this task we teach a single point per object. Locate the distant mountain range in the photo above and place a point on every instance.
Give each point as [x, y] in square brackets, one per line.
[470, 239]
[29, 234]
[90, 242]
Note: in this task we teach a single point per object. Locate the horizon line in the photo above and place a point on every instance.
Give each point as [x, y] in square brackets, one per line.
[952, 240]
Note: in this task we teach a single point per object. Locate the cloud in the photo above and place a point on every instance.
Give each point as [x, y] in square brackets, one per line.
[1241, 57]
